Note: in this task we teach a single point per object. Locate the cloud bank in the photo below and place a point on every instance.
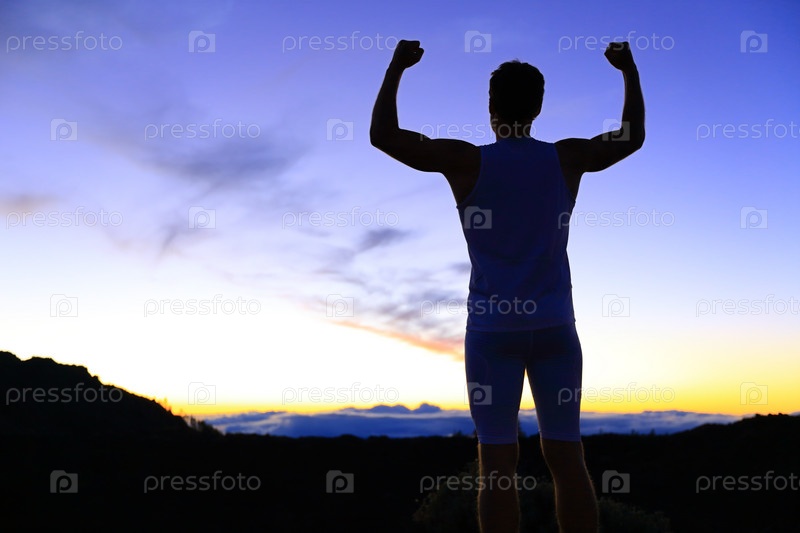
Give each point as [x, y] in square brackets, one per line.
[397, 421]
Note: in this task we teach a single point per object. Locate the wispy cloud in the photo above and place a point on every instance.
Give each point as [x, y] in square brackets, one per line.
[381, 237]
[398, 301]
[25, 203]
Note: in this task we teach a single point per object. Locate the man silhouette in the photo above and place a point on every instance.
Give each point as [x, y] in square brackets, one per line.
[515, 198]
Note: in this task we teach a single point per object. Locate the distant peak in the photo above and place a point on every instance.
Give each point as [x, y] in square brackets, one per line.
[428, 408]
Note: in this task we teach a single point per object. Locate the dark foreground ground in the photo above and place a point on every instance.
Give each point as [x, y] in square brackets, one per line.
[130, 465]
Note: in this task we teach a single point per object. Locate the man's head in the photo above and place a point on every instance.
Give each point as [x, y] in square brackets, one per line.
[516, 91]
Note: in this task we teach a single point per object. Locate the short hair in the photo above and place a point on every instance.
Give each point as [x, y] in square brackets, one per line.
[516, 92]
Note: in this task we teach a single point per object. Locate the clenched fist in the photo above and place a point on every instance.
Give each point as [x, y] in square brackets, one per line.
[619, 55]
[407, 54]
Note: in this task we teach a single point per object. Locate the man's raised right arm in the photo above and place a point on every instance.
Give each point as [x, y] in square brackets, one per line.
[591, 155]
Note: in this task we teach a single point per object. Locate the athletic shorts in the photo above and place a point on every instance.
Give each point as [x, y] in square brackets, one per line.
[496, 362]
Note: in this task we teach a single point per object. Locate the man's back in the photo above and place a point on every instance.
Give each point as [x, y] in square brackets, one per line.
[516, 223]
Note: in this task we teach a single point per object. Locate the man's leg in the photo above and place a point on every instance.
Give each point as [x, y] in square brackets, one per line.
[576, 503]
[498, 501]
[555, 371]
[495, 369]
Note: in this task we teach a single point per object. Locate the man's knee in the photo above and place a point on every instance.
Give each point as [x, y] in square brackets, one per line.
[503, 457]
[562, 454]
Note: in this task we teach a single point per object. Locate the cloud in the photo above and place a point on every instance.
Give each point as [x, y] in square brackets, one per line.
[658, 421]
[420, 307]
[396, 299]
[393, 421]
[439, 344]
[398, 421]
[380, 237]
[25, 203]
[229, 164]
